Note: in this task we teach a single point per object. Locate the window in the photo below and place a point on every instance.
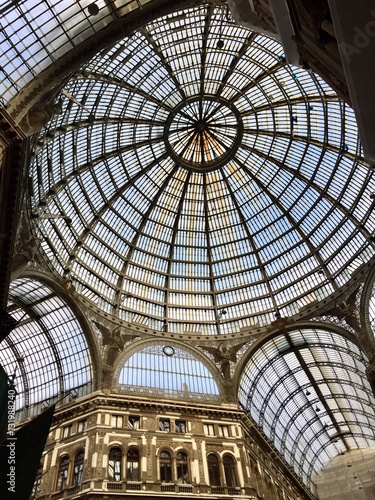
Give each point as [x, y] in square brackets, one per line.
[78, 468]
[213, 470]
[62, 473]
[165, 467]
[165, 424]
[209, 429]
[67, 430]
[182, 468]
[132, 465]
[114, 464]
[134, 422]
[223, 430]
[180, 426]
[230, 470]
[82, 425]
[117, 421]
[38, 479]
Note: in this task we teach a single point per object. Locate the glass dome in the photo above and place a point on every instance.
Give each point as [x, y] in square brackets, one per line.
[194, 182]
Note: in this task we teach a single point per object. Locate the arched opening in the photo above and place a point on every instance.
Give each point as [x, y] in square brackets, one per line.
[78, 468]
[166, 475]
[62, 473]
[47, 352]
[37, 483]
[183, 476]
[230, 470]
[114, 464]
[213, 470]
[308, 392]
[132, 464]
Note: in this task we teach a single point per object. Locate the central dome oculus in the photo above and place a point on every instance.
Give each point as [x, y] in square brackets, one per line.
[203, 133]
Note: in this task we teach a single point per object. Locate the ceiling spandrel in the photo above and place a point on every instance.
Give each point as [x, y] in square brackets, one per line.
[195, 182]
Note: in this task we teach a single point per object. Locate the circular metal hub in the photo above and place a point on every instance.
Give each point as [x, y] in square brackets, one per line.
[203, 133]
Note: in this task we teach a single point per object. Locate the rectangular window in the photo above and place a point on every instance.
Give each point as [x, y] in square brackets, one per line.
[67, 431]
[223, 430]
[82, 425]
[165, 424]
[134, 422]
[209, 429]
[132, 471]
[116, 421]
[180, 426]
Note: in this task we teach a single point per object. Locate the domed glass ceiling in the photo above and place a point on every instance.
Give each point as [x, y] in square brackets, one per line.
[195, 182]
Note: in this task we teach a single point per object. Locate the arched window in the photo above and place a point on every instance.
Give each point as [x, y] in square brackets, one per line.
[114, 464]
[78, 468]
[165, 467]
[132, 465]
[62, 474]
[230, 470]
[38, 479]
[213, 470]
[182, 467]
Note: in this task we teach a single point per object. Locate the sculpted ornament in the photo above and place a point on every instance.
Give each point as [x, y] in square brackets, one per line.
[38, 117]
[224, 356]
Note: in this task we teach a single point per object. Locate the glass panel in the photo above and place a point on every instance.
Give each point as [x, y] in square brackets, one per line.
[44, 32]
[165, 467]
[62, 474]
[182, 468]
[230, 470]
[78, 468]
[180, 375]
[132, 465]
[180, 426]
[37, 483]
[213, 470]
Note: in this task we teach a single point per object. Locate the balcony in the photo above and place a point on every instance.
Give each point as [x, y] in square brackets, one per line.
[138, 486]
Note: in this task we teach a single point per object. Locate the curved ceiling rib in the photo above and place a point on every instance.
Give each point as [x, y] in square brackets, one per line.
[133, 244]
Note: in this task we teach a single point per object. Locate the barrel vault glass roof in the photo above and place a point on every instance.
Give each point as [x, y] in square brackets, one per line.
[34, 35]
[196, 182]
[307, 390]
[47, 353]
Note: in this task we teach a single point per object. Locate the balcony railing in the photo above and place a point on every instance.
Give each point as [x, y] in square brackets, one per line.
[134, 486]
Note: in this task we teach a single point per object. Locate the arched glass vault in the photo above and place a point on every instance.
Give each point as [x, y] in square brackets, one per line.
[198, 186]
[307, 391]
[151, 368]
[47, 354]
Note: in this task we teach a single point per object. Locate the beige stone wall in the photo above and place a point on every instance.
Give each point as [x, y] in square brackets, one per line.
[350, 476]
